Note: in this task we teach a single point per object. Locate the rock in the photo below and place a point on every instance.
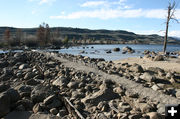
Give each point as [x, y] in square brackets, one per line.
[13, 95]
[24, 88]
[136, 68]
[54, 111]
[105, 94]
[161, 108]
[101, 116]
[169, 75]
[29, 75]
[61, 81]
[5, 102]
[40, 92]
[23, 66]
[147, 56]
[62, 113]
[158, 58]
[26, 103]
[77, 95]
[178, 93]
[81, 52]
[155, 87]
[116, 49]
[128, 49]
[73, 84]
[144, 107]
[43, 116]
[32, 82]
[49, 99]
[154, 115]
[37, 108]
[108, 52]
[148, 77]
[146, 52]
[3, 64]
[4, 87]
[18, 115]
[135, 116]
[55, 104]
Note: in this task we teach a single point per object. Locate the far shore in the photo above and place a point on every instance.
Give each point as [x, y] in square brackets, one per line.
[171, 64]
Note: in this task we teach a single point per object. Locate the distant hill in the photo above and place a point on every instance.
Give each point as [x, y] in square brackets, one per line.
[99, 36]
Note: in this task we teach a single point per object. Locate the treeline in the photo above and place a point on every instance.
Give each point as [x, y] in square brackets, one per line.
[43, 37]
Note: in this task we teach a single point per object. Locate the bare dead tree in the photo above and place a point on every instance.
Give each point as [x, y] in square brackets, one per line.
[170, 16]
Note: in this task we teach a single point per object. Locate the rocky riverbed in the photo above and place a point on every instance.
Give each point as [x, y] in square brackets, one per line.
[49, 85]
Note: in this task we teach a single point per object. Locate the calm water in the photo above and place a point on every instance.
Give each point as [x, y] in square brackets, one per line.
[99, 51]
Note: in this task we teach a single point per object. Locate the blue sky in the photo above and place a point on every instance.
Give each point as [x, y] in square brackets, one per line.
[139, 16]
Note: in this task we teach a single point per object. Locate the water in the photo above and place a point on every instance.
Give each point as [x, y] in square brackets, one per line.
[99, 51]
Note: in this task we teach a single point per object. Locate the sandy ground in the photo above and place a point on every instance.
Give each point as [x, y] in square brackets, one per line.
[172, 64]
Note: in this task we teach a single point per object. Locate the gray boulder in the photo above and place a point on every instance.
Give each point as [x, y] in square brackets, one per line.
[148, 77]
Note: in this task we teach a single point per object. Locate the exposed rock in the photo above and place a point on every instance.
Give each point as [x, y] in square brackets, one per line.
[43, 116]
[116, 49]
[61, 81]
[23, 66]
[37, 108]
[49, 99]
[158, 58]
[54, 111]
[144, 107]
[4, 87]
[29, 75]
[32, 82]
[154, 115]
[109, 51]
[73, 84]
[105, 94]
[178, 93]
[155, 87]
[136, 68]
[148, 77]
[26, 103]
[62, 113]
[128, 49]
[13, 95]
[40, 92]
[4, 104]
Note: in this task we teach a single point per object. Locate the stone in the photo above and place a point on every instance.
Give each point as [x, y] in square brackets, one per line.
[55, 104]
[154, 115]
[23, 66]
[43, 116]
[54, 111]
[40, 92]
[13, 94]
[116, 49]
[37, 108]
[5, 102]
[27, 104]
[135, 116]
[3, 64]
[32, 82]
[62, 113]
[61, 81]
[158, 58]
[73, 85]
[155, 87]
[105, 94]
[108, 52]
[144, 107]
[137, 68]
[148, 77]
[18, 115]
[29, 75]
[178, 93]
[49, 99]
[4, 87]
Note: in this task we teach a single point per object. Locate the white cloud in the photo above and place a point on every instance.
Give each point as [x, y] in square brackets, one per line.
[40, 2]
[117, 13]
[105, 3]
[93, 3]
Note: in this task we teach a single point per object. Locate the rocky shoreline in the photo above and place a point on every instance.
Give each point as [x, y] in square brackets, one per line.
[51, 85]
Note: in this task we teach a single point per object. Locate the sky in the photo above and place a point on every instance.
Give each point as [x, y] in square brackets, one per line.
[139, 16]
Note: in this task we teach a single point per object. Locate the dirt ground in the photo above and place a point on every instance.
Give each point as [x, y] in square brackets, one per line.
[172, 64]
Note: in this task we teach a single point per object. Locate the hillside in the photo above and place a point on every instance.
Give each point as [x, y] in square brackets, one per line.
[97, 36]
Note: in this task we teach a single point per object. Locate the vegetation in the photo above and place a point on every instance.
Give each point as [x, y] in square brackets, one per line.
[44, 36]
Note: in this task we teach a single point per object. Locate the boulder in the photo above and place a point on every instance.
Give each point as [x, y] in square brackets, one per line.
[136, 68]
[73, 84]
[178, 93]
[29, 75]
[18, 115]
[116, 49]
[43, 116]
[13, 95]
[53, 111]
[148, 77]
[154, 115]
[5, 103]
[158, 58]
[32, 82]
[4, 87]
[128, 49]
[40, 92]
[23, 66]
[105, 94]
[61, 81]
[108, 52]
[49, 99]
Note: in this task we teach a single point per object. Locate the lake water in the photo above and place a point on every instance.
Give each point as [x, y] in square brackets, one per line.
[99, 51]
